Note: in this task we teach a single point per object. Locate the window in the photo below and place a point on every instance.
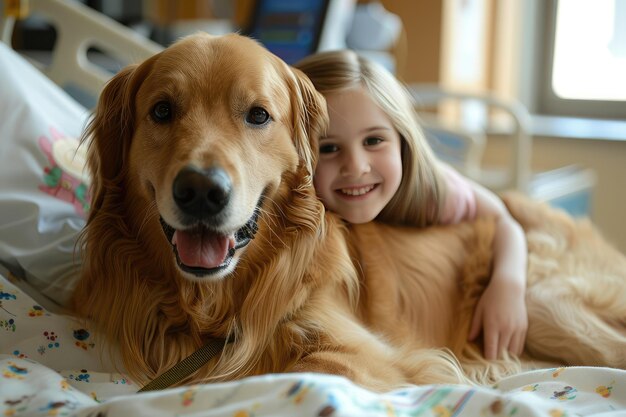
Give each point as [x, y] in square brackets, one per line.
[585, 61]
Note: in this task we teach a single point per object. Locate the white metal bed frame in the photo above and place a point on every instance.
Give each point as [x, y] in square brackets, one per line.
[88, 28]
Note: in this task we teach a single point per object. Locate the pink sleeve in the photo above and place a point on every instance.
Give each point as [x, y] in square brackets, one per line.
[460, 199]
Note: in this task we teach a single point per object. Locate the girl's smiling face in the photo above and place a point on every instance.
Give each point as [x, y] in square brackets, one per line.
[360, 166]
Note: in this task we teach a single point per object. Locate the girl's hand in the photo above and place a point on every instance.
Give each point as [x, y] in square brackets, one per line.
[501, 313]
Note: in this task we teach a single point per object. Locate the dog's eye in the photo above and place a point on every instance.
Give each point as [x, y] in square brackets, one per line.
[162, 112]
[257, 116]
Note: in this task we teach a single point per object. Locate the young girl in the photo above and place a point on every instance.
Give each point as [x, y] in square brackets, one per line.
[375, 163]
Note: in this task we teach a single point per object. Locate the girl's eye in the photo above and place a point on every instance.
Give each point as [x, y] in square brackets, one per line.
[257, 116]
[328, 148]
[372, 141]
[162, 112]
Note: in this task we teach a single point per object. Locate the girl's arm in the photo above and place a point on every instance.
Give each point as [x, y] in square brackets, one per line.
[501, 310]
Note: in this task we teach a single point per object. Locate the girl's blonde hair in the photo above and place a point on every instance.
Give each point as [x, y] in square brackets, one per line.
[420, 197]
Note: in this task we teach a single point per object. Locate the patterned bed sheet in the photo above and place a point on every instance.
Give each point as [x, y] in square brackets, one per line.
[54, 365]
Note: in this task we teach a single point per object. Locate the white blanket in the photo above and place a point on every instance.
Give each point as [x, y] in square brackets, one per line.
[50, 364]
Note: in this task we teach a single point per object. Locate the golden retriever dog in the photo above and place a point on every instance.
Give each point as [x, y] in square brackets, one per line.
[205, 224]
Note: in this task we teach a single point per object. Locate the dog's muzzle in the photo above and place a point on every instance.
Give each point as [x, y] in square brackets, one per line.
[201, 197]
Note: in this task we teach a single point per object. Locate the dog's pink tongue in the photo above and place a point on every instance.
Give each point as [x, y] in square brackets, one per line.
[201, 249]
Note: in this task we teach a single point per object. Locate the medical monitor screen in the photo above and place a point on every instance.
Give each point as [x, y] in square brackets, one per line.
[290, 29]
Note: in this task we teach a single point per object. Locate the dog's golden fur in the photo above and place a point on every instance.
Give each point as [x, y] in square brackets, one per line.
[431, 280]
[372, 303]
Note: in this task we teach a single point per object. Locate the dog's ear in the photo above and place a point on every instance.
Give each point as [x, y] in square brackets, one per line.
[310, 119]
[111, 129]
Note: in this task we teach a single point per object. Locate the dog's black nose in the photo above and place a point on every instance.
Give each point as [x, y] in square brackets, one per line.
[200, 193]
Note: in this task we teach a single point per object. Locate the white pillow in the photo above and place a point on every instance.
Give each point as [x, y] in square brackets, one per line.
[43, 197]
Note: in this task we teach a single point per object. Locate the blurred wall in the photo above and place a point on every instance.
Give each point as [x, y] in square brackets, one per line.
[605, 158]
[418, 53]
